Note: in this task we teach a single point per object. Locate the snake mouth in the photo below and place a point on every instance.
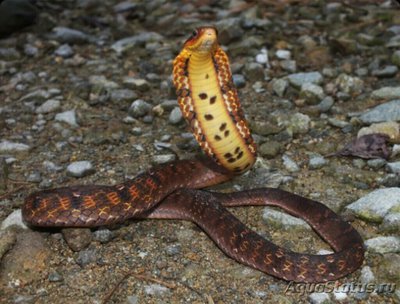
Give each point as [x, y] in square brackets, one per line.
[203, 40]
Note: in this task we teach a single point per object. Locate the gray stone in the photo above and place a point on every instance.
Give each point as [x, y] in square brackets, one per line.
[68, 35]
[51, 167]
[393, 42]
[329, 72]
[396, 58]
[283, 220]
[125, 6]
[48, 106]
[288, 65]
[386, 93]
[325, 104]
[290, 164]
[30, 50]
[123, 95]
[133, 299]
[388, 71]
[80, 169]
[9, 53]
[367, 276]
[77, 238]
[64, 51]
[376, 205]
[338, 123]
[103, 235]
[164, 158]
[136, 83]
[349, 84]
[319, 298]
[391, 223]
[239, 80]
[101, 82]
[169, 105]
[254, 71]
[38, 95]
[262, 57]
[141, 39]
[283, 54]
[173, 249]
[13, 219]
[86, 257]
[55, 277]
[279, 86]
[34, 177]
[383, 244]
[229, 29]
[362, 72]
[68, 117]
[7, 240]
[376, 163]
[299, 123]
[394, 167]
[312, 93]
[27, 261]
[358, 163]
[8, 146]
[298, 79]
[270, 149]
[395, 29]
[175, 117]
[316, 162]
[139, 108]
[389, 111]
[156, 290]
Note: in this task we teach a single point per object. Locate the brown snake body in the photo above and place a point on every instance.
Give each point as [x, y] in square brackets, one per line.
[209, 102]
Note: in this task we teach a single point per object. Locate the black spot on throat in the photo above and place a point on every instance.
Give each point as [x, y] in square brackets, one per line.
[203, 96]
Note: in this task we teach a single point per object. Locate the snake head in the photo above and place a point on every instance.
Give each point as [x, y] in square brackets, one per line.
[202, 40]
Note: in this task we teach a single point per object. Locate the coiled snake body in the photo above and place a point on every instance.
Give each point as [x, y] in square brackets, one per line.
[209, 102]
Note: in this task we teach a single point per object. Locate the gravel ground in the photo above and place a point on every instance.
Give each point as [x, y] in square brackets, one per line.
[86, 98]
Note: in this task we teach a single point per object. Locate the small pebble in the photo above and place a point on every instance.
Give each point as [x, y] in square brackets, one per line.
[103, 235]
[175, 117]
[312, 93]
[290, 164]
[139, 108]
[316, 162]
[376, 163]
[48, 106]
[383, 244]
[283, 54]
[68, 117]
[388, 71]
[164, 158]
[239, 80]
[55, 277]
[279, 86]
[86, 257]
[80, 169]
[13, 219]
[289, 65]
[8, 146]
[64, 51]
[262, 57]
[319, 298]
[77, 238]
[297, 80]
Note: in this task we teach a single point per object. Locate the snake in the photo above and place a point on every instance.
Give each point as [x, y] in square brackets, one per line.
[209, 102]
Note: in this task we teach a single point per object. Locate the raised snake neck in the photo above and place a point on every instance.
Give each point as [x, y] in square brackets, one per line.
[209, 102]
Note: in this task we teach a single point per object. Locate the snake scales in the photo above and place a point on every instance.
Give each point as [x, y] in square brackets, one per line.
[209, 102]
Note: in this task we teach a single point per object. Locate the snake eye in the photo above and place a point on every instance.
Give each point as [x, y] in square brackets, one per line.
[194, 33]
